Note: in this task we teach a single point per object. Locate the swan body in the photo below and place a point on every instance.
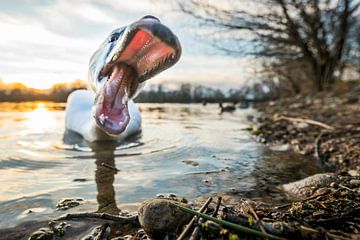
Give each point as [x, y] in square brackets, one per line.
[117, 73]
[79, 118]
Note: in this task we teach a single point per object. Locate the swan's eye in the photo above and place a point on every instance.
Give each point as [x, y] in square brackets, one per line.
[114, 37]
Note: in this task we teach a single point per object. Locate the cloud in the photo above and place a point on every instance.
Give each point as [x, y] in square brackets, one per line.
[45, 42]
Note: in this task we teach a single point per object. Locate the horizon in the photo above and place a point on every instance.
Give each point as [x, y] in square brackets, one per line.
[55, 40]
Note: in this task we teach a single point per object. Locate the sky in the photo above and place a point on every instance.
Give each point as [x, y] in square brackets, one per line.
[44, 42]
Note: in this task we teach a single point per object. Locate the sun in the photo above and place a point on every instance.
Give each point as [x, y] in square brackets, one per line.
[40, 105]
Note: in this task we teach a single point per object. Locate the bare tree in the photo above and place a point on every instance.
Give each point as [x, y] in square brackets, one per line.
[314, 36]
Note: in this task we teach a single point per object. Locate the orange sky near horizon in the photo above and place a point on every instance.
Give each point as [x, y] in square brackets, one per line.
[46, 86]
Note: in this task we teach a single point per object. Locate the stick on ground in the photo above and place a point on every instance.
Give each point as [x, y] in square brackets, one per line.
[305, 120]
[194, 220]
[105, 216]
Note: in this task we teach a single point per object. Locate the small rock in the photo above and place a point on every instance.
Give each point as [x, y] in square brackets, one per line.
[42, 234]
[67, 203]
[158, 218]
[190, 162]
[281, 147]
[302, 125]
[322, 191]
[354, 173]
[355, 182]
[80, 180]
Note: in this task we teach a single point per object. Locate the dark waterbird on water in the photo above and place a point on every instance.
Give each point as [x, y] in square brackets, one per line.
[117, 73]
[228, 108]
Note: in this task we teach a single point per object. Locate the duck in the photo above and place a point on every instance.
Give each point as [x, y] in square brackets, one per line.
[118, 71]
[227, 108]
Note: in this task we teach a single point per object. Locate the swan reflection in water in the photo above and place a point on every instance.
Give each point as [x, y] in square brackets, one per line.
[105, 171]
[105, 176]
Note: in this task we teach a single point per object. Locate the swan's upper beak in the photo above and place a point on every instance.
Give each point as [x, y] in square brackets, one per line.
[144, 49]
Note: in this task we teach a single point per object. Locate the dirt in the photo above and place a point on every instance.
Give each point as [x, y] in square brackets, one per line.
[338, 148]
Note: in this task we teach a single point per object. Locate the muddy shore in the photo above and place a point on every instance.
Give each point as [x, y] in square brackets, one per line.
[324, 126]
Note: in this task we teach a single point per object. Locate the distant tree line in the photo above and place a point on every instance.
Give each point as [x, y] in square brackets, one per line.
[185, 93]
[17, 92]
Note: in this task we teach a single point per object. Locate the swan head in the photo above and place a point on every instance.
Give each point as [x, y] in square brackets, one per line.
[119, 68]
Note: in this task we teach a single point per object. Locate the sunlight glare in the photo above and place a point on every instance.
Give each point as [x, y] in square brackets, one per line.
[41, 119]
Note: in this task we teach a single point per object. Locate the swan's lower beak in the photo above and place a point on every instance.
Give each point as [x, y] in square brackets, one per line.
[145, 49]
[111, 104]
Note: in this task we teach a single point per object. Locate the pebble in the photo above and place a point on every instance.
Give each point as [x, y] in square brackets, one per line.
[355, 182]
[281, 147]
[354, 173]
[302, 125]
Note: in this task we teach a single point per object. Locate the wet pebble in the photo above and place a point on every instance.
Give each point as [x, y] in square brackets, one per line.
[80, 180]
[190, 162]
[42, 234]
[67, 203]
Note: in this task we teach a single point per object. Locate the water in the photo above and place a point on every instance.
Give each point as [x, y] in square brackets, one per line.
[189, 150]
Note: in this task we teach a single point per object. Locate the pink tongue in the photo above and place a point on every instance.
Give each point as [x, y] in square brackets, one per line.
[112, 114]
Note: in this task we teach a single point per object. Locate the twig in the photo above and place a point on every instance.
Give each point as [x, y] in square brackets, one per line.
[349, 189]
[110, 167]
[217, 207]
[194, 219]
[317, 146]
[252, 211]
[304, 200]
[105, 216]
[305, 120]
[102, 231]
[196, 232]
[228, 224]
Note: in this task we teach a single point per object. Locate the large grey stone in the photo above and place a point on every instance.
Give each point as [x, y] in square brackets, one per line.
[307, 186]
[158, 218]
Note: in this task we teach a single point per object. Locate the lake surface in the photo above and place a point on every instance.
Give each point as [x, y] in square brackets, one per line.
[188, 150]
